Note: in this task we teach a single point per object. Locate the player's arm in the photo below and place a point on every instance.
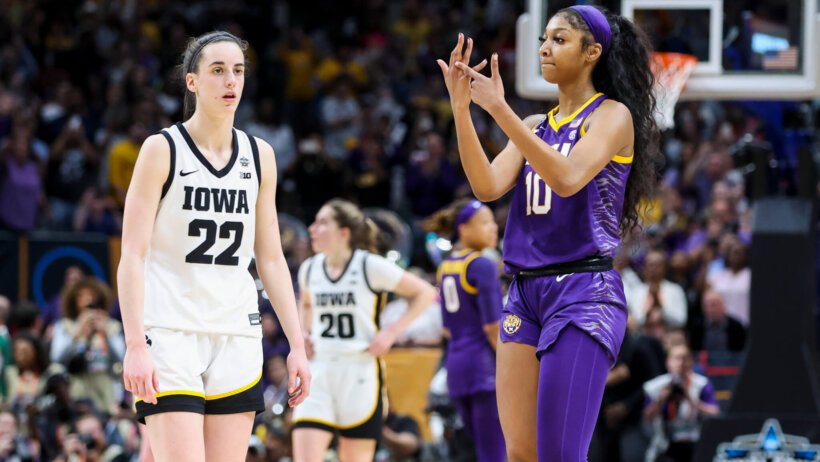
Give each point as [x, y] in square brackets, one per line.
[275, 276]
[482, 273]
[141, 203]
[384, 276]
[610, 134]
[489, 180]
[305, 307]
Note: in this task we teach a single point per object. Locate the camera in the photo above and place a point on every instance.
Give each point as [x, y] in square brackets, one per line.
[676, 391]
[89, 441]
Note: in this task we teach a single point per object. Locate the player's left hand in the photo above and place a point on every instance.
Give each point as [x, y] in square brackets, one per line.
[298, 377]
[381, 343]
[487, 92]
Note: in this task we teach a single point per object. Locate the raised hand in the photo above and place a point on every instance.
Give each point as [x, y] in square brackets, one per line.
[457, 81]
[487, 92]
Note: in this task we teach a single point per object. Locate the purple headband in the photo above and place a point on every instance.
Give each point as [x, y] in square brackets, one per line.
[597, 23]
[464, 216]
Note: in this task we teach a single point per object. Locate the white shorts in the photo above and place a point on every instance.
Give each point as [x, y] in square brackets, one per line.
[345, 397]
[204, 373]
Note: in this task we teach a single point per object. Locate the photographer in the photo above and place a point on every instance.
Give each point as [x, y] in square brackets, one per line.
[14, 446]
[88, 342]
[677, 402]
[88, 443]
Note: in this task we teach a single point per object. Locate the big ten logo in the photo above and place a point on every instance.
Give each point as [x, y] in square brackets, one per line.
[244, 175]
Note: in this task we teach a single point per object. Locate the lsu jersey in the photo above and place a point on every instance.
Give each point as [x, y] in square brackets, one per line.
[544, 228]
[196, 269]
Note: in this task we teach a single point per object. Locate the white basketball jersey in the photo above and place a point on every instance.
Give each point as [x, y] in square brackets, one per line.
[345, 310]
[196, 270]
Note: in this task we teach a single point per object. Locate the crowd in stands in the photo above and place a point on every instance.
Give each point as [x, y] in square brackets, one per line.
[354, 106]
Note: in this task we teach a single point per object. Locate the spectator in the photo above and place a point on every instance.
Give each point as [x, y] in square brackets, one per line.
[97, 213]
[121, 162]
[270, 127]
[91, 433]
[21, 185]
[53, 311]
[88, 342]
[717, 331]
[657, 291]
[27, 377]
[370, 168]
[14, 446]
[341, 116]
[275, 393]
[431, 177]
[401, 440]
[314, 167]
[72, 168]
[734, 282]
[677, 403]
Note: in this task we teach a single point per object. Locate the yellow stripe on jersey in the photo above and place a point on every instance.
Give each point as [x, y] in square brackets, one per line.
[379, 391]
[459, 267]
[235, 392]
[624, 160]
[378, 307]
[556, 125]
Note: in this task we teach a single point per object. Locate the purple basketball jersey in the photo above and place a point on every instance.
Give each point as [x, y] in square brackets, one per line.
[471, 299]
[544, 228]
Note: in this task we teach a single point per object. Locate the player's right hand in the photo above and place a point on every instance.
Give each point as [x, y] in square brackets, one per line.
[139, 375]
[457, 81]
[299, 377]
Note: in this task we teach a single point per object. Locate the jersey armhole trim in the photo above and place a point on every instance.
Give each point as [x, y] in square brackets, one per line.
[364, 272]
[469, 288]
[307, 274]
[167, 185]
[255, 151]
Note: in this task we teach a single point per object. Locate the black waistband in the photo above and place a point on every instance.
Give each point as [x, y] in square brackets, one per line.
[586, 265]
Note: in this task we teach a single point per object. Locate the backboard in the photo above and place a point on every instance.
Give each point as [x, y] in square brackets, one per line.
[747, 49]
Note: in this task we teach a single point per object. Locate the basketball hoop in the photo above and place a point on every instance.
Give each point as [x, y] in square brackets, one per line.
[671, 72]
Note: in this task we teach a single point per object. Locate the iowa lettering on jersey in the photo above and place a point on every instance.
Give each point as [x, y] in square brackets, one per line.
[216, 199]
[335, 299]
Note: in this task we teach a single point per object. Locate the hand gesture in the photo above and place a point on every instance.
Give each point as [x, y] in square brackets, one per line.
[139, 374]
[381, 343]
[298, 377]
[487, 92]
[457, 81]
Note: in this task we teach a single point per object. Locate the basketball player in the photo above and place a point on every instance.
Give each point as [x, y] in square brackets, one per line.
[342, 290]
[565, 317]
[471, 307]
[200, 205]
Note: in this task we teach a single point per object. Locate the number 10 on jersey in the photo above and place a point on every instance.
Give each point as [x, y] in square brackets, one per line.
[536, 203]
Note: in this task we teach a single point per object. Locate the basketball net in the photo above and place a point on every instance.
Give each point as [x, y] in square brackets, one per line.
[671, 72]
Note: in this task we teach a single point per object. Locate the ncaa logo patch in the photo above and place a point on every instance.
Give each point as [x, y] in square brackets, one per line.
[512, 323]
[244, 161]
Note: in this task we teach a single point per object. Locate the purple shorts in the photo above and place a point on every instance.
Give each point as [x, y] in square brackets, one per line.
[539, 308]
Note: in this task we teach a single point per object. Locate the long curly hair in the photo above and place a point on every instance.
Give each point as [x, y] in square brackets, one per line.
[625, 75]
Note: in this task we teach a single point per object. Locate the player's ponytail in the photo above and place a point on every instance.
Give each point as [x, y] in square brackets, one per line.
[364, 233]
[191, 58]
[624, 74]
[442, 222]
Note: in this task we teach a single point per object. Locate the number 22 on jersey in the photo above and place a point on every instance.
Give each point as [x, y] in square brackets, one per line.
[537, 204]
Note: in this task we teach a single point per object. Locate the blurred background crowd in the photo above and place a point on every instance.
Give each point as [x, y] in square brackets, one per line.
[350, 97]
